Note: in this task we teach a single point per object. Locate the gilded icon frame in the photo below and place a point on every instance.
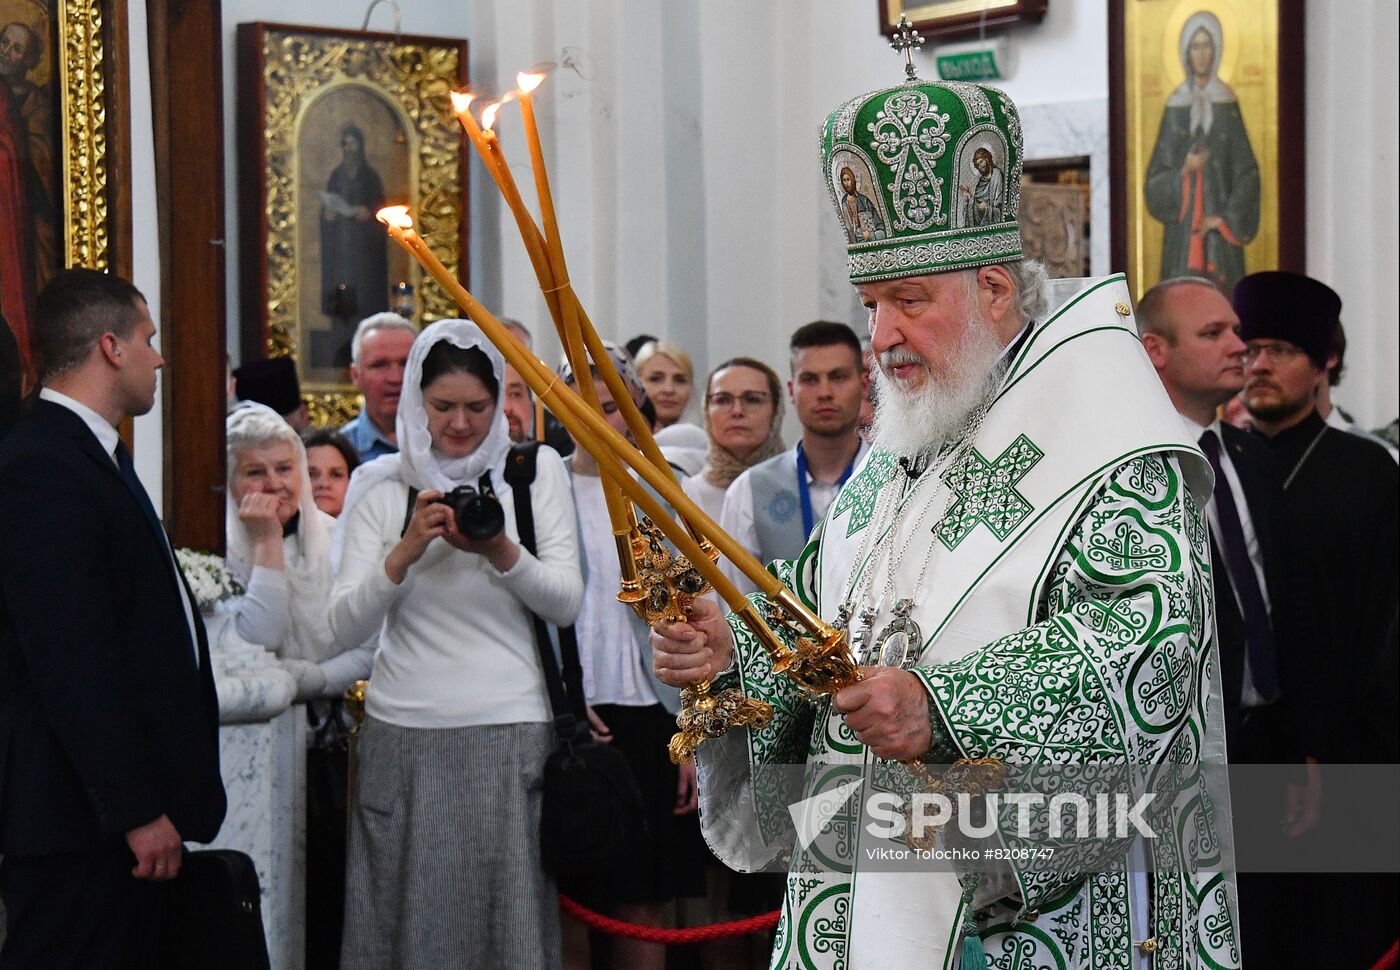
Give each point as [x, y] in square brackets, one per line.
[298, 86]
[82, 72]
[1260, 82]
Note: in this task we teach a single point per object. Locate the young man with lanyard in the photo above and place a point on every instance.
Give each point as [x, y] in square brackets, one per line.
[773, 507]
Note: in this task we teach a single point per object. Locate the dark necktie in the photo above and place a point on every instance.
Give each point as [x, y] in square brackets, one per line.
[133, 483]
[1258, 634]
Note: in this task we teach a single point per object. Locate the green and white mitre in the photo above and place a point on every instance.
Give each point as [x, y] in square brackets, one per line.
[926, 178]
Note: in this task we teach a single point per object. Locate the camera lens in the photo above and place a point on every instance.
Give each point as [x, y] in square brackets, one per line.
[479, 515]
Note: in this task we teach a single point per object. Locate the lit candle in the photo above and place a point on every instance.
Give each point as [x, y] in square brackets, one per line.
[576, 322]
[603, 441]
[488, 146]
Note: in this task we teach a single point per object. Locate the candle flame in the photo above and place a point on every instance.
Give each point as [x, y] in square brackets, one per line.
[461, 100]
[528, 81]
[488, 115]
[396, 216]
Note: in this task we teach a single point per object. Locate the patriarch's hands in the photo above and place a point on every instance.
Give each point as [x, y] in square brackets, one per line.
[698, 649]
[888, 711]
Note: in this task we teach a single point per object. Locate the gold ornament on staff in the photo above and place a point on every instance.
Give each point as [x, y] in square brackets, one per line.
[657, 583]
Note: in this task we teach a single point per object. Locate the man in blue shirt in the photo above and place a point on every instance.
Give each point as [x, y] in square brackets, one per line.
[378, 355]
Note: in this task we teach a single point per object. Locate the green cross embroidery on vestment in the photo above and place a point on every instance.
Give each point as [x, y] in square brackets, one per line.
[1162, 686]
[986, 493]
[860, 492]
[1128, 548]
[1118, 619]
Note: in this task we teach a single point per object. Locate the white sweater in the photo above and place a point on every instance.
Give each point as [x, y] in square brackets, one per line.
[457, 646]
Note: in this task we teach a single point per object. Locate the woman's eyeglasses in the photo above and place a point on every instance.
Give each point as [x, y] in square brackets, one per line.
[748, 401]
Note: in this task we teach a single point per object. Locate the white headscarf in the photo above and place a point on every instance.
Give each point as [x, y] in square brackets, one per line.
[1215, 91]
[306, 553]
[417, 464]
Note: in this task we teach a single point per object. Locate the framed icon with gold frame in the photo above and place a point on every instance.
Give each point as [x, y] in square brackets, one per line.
[1206, 125]
[64, 125]
[333, 125]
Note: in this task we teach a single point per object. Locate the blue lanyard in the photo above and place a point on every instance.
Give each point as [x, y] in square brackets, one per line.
[805, 494]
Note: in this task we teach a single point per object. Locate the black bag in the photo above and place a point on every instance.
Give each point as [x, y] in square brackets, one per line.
[213, 918]
[592, 806]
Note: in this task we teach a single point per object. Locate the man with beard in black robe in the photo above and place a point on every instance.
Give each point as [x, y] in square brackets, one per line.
[1344, 491]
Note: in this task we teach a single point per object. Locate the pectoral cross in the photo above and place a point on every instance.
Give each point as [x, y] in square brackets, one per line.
[906, 41]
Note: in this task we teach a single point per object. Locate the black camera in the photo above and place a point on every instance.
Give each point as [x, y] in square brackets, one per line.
[478, 512]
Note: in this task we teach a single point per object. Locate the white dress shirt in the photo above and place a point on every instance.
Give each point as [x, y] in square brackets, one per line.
[1249, 697]
[736, 517]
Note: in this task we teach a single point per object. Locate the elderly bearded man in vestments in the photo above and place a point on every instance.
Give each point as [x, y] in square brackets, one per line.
[1029, 527]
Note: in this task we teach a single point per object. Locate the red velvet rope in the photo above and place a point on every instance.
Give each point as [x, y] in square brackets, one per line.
[1390, 958]
[657, 934]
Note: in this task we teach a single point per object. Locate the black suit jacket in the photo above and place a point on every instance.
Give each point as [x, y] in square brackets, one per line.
[1285, 576]
[106, 721]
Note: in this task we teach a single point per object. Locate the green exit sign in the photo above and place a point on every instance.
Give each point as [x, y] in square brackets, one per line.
[977, 65]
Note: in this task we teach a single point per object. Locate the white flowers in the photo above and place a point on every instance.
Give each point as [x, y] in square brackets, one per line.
[209, 578]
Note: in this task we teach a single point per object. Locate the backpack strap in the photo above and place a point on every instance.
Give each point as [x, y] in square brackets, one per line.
[408, 514]
[566, 692]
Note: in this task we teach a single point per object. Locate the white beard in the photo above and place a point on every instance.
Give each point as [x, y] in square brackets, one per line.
[911, 422]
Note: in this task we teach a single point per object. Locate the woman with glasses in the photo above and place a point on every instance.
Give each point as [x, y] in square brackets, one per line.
[743, 420]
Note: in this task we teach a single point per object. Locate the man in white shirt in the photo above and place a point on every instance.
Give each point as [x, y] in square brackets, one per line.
[772, 508]
[109, 755]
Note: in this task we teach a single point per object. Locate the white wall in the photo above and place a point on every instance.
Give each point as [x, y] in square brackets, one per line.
[147, 451]
[1353, 125]
[681, 143]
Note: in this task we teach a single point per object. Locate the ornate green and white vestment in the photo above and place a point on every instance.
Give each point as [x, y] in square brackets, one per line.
[1059, 570]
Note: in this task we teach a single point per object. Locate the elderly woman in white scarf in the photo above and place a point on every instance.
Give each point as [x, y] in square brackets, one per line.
[444, 859]
[279, 549]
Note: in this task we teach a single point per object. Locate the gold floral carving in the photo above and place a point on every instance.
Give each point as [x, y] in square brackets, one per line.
[418, 78]
[86, 211]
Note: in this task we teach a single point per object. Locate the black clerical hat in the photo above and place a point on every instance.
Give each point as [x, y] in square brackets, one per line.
[1289, 306]
[272, 382]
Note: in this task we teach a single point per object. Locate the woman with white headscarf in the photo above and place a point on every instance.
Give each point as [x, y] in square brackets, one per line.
[444, 861]
[279, 549]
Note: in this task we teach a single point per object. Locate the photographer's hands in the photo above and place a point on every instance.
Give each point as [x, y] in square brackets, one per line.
[499, 550]
[432, 519]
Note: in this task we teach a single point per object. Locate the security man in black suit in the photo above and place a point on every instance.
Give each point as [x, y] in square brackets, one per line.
[1263, 620]
[109, 754]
